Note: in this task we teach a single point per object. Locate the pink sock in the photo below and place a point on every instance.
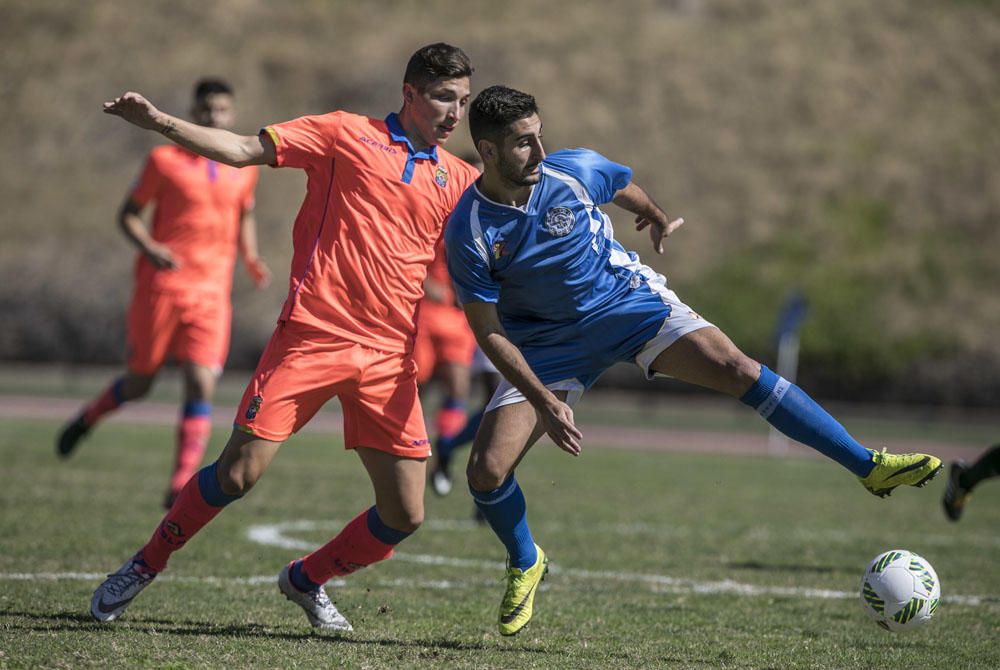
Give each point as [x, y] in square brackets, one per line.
[188, 515]
[450, 420]
[354, 548]
[108, 401]
[192, 438]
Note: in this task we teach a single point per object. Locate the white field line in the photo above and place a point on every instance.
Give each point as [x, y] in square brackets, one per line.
[276, 535]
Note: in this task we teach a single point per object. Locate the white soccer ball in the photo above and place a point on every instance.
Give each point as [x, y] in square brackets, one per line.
[900, 590]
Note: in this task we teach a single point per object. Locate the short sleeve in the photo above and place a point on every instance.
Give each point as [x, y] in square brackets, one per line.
[468, 259]
[147, 187]
[301, 141]
[601, 177]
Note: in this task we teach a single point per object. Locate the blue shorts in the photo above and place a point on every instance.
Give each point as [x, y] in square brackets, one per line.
[635, 329]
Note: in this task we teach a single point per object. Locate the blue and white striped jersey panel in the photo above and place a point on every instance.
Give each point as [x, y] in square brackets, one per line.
[567, 293]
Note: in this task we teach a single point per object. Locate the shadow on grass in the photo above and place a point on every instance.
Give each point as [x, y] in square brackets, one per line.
[83, 623]
[783, 567]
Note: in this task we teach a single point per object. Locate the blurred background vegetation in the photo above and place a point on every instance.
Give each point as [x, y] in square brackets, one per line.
[850, 150]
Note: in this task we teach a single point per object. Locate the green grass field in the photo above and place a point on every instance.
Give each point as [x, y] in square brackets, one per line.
[659, 561]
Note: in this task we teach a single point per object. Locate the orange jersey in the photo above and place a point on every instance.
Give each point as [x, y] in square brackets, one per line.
[199, 204]
[438, 271]
[373, 211]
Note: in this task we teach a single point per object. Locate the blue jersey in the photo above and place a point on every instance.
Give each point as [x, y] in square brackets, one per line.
[569, 296]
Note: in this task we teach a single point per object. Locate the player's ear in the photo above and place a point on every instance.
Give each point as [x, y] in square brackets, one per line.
[408, 93]
[487, 150]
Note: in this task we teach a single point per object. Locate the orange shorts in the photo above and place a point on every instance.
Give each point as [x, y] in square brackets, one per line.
[443, 336]
[301, 369]
[193, 327]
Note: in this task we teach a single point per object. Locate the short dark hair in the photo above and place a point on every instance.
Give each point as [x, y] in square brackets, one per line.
[211, 86]
[495, 108]
[437, 61]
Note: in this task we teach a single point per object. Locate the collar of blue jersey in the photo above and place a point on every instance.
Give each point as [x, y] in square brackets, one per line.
[397, 134]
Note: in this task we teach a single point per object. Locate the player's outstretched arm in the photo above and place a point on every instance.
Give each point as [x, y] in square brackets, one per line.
[215, 143]
[555, 415]
[647, 214]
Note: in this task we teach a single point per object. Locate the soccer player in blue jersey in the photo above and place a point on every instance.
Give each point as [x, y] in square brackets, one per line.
[554, 301]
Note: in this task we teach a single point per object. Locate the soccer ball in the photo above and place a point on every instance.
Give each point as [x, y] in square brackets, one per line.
[900, 590]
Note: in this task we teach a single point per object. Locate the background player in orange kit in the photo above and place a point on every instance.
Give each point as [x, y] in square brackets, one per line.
[203, 212]
[443, 351]
[378, 192]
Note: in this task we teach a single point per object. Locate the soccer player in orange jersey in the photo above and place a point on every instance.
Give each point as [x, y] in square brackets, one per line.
[203, 212]
[443, 350]
[378, 192]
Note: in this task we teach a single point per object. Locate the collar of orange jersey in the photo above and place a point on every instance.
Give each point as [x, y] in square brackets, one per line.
[397, 134]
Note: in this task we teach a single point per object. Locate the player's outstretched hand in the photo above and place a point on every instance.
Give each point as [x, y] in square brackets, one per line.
[658, 229]
[259, 273]
[557, 418]
[136, 110]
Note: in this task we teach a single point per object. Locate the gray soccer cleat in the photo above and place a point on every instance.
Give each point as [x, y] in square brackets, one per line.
[321, 612]
[119, 589]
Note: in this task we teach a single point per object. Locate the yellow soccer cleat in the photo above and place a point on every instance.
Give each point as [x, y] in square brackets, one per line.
[518, 600]
[892, 470]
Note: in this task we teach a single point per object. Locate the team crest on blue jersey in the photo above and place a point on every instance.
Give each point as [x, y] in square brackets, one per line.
[499, 249]
[441, 176]
[559, 221]
[254, 407]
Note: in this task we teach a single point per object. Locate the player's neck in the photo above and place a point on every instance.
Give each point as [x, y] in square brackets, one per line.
[499, 190]
[410, 128]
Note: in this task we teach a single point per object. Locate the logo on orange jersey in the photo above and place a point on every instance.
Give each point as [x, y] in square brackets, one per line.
[254, 407]
[441, 176]
[378, 145]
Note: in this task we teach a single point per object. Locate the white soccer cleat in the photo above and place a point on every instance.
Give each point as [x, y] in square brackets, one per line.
[441, 483]
[321, 612]
[119, 589]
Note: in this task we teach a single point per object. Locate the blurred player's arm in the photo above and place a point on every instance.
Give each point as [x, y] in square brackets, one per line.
[255, 265]
[134, 228]
[647, 214]
[555, 415]
[434, 290]
[214, 143]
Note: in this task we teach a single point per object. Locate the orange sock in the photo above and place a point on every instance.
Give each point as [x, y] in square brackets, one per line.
[355, 547]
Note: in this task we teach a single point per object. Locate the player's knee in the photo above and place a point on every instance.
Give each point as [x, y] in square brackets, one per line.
[236, 480]
[482, 477]
[740, 372]
[136, 386]
[406, 520]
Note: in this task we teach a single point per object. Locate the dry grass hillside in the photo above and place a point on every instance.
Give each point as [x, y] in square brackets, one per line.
[847, 149]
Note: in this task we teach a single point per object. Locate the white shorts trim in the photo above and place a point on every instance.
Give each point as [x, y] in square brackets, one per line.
[682, 320]
[508, 394]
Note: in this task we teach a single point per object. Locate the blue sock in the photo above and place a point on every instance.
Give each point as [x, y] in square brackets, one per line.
[211, 490]
[507, 514]
[297, 576]
[118, 390]
[382, 532]
[197, 408]
[468, 433]
[789, 409]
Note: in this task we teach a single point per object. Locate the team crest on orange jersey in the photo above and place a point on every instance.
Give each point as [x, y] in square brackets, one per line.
[441, 176]
[254, 407]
